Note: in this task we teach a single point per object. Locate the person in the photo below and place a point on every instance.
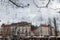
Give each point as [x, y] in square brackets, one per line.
[14, 37]
[18, 35]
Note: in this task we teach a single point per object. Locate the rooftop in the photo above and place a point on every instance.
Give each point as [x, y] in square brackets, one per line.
[16, 24]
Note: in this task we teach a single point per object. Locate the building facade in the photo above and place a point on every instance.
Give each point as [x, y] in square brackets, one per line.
[44, 30]
[21, 28]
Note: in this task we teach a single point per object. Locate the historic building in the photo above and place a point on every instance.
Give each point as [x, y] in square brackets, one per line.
[44, 30]
[47, 30]
[24, 29]
[21, 28]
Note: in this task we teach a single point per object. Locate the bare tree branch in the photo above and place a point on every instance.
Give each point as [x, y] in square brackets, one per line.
[14, 3]
[47, 3]
[41, 6]
[22, 5]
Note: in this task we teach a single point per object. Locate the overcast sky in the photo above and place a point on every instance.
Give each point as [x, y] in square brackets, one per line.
[9, 13]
